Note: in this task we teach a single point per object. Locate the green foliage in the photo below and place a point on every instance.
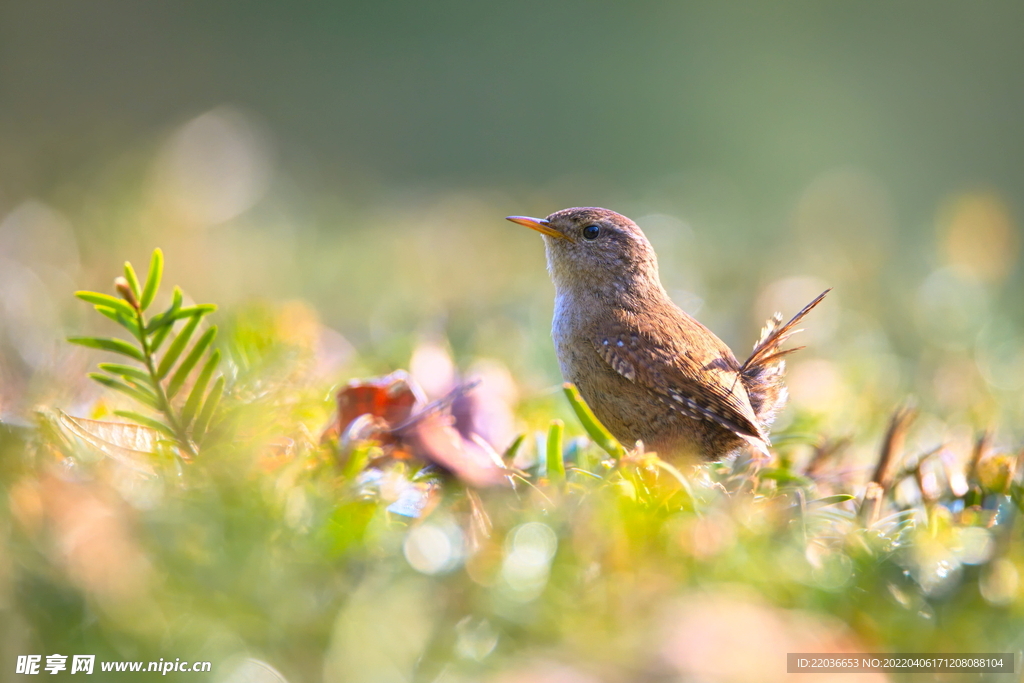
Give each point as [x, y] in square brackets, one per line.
[597, 431]
[601, 563]
[186, 422]
[555, 464]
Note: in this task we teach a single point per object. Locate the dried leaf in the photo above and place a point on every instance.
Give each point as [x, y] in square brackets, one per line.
[434, 439]
[382, 410]
[391, 397]
[130, 444]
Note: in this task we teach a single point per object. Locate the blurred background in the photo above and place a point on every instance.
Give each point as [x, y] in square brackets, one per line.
[360, 158]
[344, 168]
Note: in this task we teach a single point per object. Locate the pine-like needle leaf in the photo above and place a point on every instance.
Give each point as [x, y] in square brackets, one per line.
[156, 271]
[196, 395]
[177, 346]
[99, 299]
[127, 323]
[108, 344]
[133, 279]
[129, 372]
[147, 422]
[209, 407]
[140, 394]
[181, 374]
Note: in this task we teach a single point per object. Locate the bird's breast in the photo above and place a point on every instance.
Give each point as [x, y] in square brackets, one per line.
[578, 359]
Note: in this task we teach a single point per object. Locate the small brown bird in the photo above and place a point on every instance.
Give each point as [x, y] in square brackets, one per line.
[648, 370]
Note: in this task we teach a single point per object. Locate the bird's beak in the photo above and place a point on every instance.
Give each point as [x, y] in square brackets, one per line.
[540, 225]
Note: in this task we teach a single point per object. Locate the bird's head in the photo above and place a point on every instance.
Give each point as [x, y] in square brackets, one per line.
[597, 250]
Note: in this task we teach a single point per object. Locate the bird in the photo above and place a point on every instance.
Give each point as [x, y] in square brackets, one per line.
[649, 371]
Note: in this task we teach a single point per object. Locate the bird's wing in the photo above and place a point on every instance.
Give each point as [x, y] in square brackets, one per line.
[699, 382]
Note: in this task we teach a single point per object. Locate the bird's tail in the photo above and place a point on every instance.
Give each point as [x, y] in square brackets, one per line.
[762, 373]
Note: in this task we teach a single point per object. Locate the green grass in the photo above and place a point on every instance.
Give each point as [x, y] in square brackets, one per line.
[254, 537]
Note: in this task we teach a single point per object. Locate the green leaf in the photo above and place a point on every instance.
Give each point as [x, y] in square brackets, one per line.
[169, 317]
[830, 500]
[510, 453]
[177, 297]
[181, 374]
[147, 422]
[156, 271]
[356, 461]
[200, 310]
[128, 372]
[158, 339]
[555, 464]
[676, 474]
[196, 395]
[176, 347]
[98, 299]
[162, 323]
[785, 477]
[106, 344]
[209, 408]
[127, 323]
[138, 393]
[132, 278]
[597, 431]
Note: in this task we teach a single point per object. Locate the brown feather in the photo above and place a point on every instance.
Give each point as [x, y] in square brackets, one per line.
[763, 372]
[774, 336]
[678, 380]
[649, 371]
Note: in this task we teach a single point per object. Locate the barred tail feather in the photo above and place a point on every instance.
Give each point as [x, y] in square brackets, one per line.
[762, 373]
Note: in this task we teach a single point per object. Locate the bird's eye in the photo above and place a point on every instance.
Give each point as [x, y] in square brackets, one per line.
[591, 232]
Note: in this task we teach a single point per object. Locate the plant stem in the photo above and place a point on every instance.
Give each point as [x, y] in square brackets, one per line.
[161, 396]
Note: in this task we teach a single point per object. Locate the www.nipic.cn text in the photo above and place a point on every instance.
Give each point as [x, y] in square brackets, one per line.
[86, 664]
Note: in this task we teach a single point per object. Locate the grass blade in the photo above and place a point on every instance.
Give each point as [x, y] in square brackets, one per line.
[181, 374]
[107, 344]
[196, 395]
[209, 407]
[156, 272]
[555, 464]
[830, 500]
[176, 347]
[597, 431]
[510, 453]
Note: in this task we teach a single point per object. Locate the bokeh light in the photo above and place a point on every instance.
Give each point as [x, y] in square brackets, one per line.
[335, 176]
